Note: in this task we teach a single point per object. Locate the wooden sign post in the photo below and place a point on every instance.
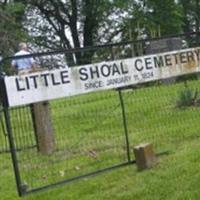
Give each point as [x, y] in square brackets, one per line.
[44, 131]
[43, 127]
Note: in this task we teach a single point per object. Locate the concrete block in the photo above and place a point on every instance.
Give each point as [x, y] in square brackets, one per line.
[144, 155]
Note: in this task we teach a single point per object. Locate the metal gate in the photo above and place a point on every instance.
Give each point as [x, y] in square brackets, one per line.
[93, 132]
[90, 135]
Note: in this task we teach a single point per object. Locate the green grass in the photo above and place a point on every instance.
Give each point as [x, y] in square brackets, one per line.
[89, 136]
[176, 176]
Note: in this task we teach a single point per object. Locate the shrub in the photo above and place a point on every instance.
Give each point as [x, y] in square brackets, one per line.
[186, 97]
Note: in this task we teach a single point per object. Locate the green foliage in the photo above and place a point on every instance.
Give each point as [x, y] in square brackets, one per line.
[186, 97]
[165, 17]
[191, 15]
[11, 31]
[92, 23]
[153, 19]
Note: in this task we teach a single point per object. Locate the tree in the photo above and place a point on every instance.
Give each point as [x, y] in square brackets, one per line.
[73, 24]
[151, 18]
[191, 16]
[166, 16]
[67, 24]
[11, 30]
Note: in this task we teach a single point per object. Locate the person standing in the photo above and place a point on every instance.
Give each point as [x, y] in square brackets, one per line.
[23, 65]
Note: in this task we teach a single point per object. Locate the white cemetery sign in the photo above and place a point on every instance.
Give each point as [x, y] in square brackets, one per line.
[47, 85]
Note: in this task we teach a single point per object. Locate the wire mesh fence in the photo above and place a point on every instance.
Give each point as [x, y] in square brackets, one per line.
[88, 133]
[157, 117]
[91, 133]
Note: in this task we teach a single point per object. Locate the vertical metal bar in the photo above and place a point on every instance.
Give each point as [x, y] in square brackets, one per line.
[13, 151]
[123, 115]
[10, 136]
[4, 130]
[125, 125]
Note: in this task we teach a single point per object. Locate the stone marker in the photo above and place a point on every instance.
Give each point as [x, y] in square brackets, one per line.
[164, 45]
[144, 155]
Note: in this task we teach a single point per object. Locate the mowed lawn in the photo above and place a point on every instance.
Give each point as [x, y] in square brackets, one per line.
[151, 117]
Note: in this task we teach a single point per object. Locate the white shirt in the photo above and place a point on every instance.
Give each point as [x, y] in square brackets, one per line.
[23, 63]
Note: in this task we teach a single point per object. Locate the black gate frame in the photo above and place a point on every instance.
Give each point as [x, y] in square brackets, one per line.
[21, 188]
